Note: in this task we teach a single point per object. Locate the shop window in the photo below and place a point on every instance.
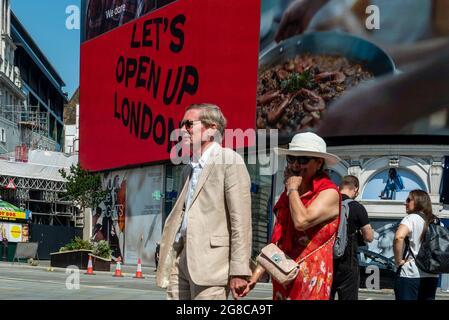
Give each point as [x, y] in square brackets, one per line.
[392, 184]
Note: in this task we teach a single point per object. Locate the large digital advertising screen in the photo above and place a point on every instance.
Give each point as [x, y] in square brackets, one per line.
[349, 68]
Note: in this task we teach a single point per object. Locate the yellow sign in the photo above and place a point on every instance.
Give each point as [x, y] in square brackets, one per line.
[11, 215]
[15, 231]
[12, 231]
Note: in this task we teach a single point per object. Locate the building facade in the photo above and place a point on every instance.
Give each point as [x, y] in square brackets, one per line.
[12, 98]
[44, 99]
[71, 125]
[31, 95]
[31, 135]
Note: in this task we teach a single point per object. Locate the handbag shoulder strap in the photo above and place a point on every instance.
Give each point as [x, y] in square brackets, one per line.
[408, 249]
[406, 253]
[299, 260]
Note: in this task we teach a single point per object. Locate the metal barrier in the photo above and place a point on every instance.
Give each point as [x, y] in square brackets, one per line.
[26, 250]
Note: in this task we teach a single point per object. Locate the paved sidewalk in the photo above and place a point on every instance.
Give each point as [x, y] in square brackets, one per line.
[127, 270]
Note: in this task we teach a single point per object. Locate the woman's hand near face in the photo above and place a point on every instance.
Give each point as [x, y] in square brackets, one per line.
[294, 182]
[291, 179]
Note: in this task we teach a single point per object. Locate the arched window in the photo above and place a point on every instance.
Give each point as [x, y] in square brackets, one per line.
[392, 184]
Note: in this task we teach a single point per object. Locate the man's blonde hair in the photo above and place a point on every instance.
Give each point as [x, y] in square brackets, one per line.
[210, 114]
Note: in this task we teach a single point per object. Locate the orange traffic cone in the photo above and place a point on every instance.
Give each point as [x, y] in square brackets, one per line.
[90, 268]
[139, 270]
[118, 269]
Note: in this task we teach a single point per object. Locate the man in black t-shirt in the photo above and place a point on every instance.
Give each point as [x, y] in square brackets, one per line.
[346, 268]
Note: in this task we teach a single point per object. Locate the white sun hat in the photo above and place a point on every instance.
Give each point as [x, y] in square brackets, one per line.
[309, 144]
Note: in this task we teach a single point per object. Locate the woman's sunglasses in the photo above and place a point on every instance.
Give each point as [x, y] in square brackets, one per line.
[408, 200]
[300, 160]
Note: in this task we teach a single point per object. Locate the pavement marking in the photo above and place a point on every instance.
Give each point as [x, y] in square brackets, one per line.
[81, 284]
[29, 280]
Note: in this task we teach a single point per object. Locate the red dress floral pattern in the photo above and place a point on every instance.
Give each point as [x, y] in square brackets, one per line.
[314, 279]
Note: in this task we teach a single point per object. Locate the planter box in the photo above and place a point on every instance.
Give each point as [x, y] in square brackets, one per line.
[101, 264]
[78, 258]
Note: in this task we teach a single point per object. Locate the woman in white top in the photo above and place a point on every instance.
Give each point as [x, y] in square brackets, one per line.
[411, 282]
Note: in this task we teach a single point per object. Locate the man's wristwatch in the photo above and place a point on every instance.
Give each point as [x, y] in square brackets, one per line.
[290, 191]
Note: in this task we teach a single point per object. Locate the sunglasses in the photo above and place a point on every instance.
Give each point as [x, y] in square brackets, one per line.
[300, 160]
[188, 123]
[408, 200]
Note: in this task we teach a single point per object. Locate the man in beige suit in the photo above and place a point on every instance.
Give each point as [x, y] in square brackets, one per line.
[206, 242]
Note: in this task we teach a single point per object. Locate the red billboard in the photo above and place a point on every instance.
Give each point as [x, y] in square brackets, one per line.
[137, 79]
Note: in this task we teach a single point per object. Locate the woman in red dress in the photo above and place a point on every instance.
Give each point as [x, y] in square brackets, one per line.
[307, 220]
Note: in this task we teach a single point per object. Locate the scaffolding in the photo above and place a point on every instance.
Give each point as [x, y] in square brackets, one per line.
[35, 184]
[33, 124]
[44, 198]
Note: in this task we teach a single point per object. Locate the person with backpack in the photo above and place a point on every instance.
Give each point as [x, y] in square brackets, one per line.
[354, 224]
[411, 282]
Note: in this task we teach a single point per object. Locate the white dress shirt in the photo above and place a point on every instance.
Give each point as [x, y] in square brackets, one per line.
[197, 169]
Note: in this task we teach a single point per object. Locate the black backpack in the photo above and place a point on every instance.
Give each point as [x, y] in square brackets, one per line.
[433, 255]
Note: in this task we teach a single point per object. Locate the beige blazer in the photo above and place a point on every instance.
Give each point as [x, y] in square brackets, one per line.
[219, 231]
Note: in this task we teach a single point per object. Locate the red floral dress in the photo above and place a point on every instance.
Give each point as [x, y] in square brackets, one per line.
[314, 279]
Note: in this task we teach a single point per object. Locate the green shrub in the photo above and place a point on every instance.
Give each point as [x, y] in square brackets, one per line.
[77, 244]
[102, 249]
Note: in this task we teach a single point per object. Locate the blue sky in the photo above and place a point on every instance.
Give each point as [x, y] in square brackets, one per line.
[45, 21]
